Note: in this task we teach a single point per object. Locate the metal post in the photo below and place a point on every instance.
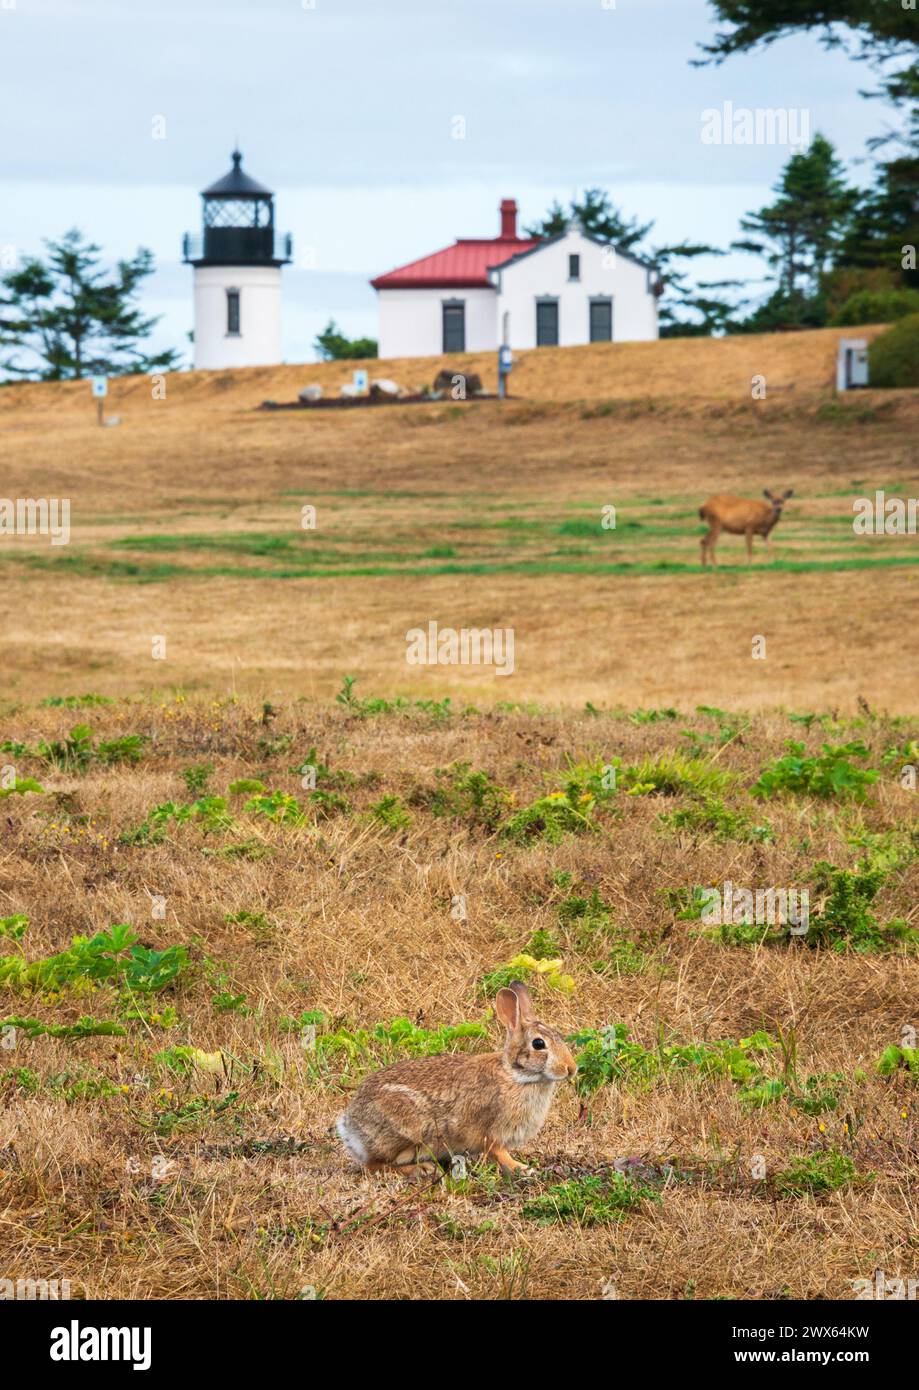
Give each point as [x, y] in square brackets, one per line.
[505, 358]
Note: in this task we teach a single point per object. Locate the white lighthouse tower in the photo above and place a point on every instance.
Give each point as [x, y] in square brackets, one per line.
[237, 262]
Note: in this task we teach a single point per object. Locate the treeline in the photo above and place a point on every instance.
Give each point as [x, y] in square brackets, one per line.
[831, 254]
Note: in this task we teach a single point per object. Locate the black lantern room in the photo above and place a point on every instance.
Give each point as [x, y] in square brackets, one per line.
[238, 224]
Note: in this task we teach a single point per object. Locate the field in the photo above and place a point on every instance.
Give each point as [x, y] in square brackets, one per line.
[328, 858]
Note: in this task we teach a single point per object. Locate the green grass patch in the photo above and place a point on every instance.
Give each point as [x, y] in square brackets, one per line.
[589, 1201]
[815, 1175]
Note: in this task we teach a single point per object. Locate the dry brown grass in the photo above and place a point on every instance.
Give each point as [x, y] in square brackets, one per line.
[360, 927]
[358, 917]
[404, 479]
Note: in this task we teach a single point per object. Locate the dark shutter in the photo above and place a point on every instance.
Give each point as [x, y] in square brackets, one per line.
[547, 323]
[233, 312]
[454, 328]
[601, 321]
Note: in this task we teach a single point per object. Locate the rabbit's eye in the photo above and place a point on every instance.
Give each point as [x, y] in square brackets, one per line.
[539, 1043]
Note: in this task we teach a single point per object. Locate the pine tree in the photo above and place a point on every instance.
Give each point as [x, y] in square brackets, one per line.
[597, 215]
[882, 31]
[332, 345]
[884, 229]
[799, 235]
[72, 320]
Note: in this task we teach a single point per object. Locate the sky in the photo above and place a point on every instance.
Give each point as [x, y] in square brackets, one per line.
[348, 110]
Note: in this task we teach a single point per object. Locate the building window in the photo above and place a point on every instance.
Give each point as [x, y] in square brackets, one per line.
[601, 320]
[233, 313]
[574, 267]
[547, 323]
[454, 326]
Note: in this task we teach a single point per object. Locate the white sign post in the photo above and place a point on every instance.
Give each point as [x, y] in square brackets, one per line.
[100, 391]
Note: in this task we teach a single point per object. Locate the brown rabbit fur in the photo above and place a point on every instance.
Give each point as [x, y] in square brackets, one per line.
[430, 1108]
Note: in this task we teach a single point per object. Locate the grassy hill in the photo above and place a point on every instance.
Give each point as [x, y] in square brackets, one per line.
[684, 369]
[202, 953]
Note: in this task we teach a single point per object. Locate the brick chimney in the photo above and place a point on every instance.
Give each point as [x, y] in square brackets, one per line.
[508, 219]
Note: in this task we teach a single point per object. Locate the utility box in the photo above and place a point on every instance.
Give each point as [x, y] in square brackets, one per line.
[852, 364]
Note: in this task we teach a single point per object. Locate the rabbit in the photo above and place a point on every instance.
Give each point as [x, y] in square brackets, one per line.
[430, 1108]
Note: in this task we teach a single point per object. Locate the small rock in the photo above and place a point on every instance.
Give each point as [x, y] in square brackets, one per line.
[313, 392]
[350, 391]
[384, 389]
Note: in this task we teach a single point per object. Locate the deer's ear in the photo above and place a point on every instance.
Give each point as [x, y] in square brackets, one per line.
[790, 492]
[767, 493]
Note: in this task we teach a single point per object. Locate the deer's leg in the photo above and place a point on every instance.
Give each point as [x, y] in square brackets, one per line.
[709, 541]
[749, 535]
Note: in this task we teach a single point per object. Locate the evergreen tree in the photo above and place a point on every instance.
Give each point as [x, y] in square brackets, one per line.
[883, 231]
[883, 31]
[597, 216]
[72, 320]
[799, 236]
[878, 249]
[333, 346]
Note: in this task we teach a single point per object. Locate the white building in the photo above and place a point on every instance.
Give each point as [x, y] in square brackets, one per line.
[474, 295]
[237, 261]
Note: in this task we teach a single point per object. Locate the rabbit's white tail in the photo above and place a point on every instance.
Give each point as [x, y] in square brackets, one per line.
[351, 1139]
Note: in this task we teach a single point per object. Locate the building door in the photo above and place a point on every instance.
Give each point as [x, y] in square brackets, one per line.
[454, 334]
[547, 323]
[601, 320]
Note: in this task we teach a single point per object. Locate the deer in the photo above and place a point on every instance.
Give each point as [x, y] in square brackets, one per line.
[740, 516]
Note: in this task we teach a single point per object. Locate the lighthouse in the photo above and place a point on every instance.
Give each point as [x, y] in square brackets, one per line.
[237, 261]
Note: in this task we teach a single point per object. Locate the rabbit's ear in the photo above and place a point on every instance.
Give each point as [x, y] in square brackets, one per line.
[507, 1008]
[527, 1011]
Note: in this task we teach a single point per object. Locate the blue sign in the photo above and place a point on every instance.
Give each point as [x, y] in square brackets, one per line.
[100, 386]
[505, 359]
[360, 380]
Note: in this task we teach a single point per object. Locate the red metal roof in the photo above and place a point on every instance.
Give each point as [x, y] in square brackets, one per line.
[464, 265]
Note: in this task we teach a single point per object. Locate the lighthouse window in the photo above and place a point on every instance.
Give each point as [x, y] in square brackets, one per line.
[233, 312]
